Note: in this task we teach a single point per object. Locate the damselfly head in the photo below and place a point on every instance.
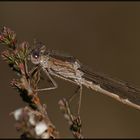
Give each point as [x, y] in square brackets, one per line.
[37, 52]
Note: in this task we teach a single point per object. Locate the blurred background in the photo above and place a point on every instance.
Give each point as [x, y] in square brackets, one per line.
[103, 35]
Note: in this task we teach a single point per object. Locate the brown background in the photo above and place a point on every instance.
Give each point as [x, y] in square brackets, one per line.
[103, 35]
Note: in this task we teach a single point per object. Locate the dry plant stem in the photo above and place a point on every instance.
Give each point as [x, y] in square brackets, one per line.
[36, 107]
[73, 121]
[32, 121]
[33, 100]
[16, 57]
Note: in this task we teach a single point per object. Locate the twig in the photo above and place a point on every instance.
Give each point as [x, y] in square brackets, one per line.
[16, 57]
[32, 121]
[73, 121]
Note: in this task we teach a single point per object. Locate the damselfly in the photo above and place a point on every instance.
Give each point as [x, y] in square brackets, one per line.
[70, 69]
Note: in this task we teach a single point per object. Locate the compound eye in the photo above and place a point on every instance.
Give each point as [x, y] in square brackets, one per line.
[35, 55]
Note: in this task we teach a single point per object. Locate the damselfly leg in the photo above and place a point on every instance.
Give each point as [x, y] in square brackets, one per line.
[78, 90]
[52, 80]
[80, 98]
[74, 95]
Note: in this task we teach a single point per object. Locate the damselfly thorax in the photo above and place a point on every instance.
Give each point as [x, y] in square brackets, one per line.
[64, 68]
[70, 69]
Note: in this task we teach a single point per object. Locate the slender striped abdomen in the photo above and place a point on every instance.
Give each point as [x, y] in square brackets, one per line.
[118, 90]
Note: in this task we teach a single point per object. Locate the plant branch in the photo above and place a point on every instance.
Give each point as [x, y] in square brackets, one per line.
[32, 121]
[16, 57]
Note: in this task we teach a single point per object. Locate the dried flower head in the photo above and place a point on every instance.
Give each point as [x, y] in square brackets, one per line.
[32, 124]
[8, 37]
[32, 121]
[73, 121]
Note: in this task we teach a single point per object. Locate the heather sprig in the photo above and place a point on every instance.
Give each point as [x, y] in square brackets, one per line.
[32, 121]
[73, 121]
[8, 37]
[16, 55]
